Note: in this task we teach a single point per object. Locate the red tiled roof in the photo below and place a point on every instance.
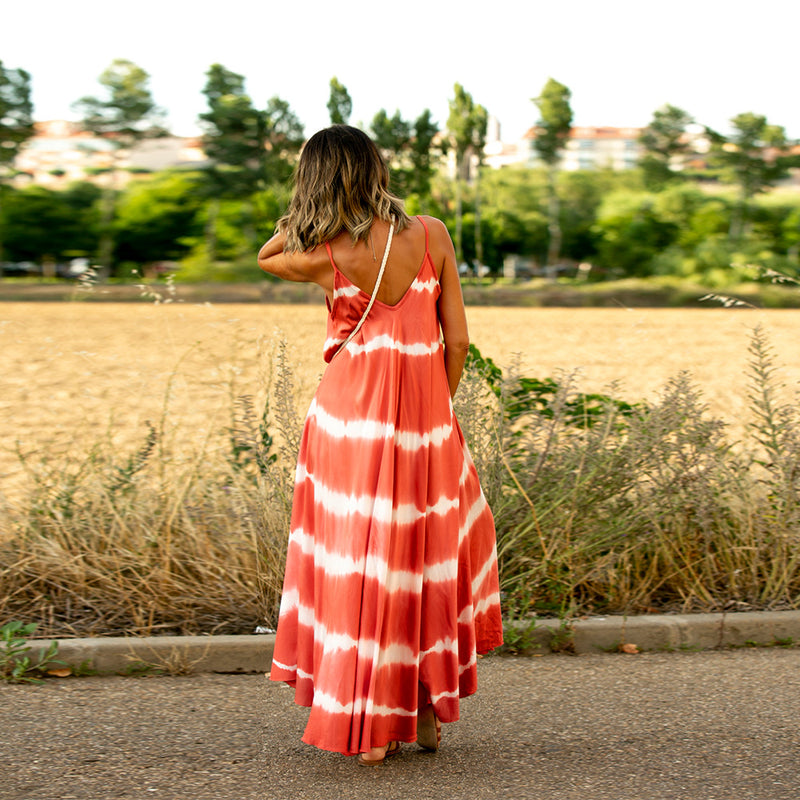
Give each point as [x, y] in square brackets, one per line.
[595, 133]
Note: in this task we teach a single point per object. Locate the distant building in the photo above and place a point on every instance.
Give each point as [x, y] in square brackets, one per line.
[498, 153]
[60, 152]
[586, 148]
[601, 148]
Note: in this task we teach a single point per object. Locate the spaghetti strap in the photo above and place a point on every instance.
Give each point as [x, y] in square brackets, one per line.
[426, 231]
[330, 255]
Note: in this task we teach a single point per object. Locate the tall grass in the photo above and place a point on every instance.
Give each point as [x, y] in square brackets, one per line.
[602, 506]
[637, 508]
[159, 540]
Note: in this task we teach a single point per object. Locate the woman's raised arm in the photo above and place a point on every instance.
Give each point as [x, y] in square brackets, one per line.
[288, 266]
[312, 266]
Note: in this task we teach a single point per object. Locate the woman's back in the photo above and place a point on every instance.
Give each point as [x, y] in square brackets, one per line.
[360, 263]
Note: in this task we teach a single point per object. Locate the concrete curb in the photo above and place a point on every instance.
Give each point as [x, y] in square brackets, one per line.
[662, 632]
[240, 654]
[172, 654]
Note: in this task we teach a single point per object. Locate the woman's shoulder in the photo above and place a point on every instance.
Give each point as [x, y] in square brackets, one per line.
[438, 234]
[432, 223]
[436, 230]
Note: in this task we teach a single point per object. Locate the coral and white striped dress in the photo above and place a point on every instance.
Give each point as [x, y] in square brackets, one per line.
[391, 573]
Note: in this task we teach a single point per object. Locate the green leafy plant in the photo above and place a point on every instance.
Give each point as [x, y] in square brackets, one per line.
[84, 669]
[123, 477]
[15, 665]
[137, 668]
[250, 439]
[563, 638]
[544, 396]
[605, 506]
[519, 636]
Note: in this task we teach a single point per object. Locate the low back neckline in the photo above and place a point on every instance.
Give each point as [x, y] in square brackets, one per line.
[425, 258]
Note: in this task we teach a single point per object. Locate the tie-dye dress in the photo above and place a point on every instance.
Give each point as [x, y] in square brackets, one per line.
[391, 584]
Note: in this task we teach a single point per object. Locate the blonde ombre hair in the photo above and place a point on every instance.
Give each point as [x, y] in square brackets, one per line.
[341, 184]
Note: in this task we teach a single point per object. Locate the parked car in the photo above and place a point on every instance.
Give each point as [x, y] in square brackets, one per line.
[475, 270]
[75, 268]
[16, 269]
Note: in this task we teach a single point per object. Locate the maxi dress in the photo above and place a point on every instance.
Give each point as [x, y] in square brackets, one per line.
[391, 586]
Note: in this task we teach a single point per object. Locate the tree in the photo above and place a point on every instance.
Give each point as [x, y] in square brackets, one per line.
[340, 105]
[754, 158]
[408, 150]
[16, 114]
[580, 194]
[392, 135]
[466, 126]
[43, 224]
[125, 116]
[283, 137]
[233, 136]
[552, 131]
[248, 148]
[514, 212]
[422, 154]
[664, 141]
[631, 233]
[156, 218]
[16, 121]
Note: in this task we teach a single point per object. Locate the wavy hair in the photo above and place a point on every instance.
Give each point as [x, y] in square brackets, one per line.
[341, 184]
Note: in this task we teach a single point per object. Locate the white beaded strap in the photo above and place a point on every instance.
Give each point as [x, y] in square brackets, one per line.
[374, 293]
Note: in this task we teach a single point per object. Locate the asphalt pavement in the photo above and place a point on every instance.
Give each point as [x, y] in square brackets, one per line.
[712, 725]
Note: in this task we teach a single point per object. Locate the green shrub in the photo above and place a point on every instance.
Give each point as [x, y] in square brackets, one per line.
[15, 665]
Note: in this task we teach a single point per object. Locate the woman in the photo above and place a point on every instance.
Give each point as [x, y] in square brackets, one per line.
[391, 575]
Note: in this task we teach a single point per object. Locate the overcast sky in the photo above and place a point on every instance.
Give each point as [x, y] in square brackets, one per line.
[622, 59]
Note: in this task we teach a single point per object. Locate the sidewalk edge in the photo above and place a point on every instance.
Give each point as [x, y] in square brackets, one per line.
[252, 654]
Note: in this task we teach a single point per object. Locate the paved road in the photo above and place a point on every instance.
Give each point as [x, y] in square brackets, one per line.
[720, 725]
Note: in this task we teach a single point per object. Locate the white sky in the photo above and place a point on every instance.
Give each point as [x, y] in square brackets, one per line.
[622, 59]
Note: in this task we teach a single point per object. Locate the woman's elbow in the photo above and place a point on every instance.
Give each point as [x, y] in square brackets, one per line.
[457, 344]
[274, 264]
[270, 256]
[264, 263]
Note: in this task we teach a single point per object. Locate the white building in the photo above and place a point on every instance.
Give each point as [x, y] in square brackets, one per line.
[60, 152]
[602, 148]
[585, 148]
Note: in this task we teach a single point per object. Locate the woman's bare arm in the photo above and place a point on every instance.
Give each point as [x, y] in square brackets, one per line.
[309, 267]
[452, 316]
[288, 266]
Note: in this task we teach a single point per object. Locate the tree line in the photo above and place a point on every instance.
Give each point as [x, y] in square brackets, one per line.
[711, 224]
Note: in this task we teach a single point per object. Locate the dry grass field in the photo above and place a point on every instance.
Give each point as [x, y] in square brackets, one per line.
[73, 373]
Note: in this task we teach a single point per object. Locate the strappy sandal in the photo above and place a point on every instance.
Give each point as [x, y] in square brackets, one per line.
[429, 730]
[392, 750]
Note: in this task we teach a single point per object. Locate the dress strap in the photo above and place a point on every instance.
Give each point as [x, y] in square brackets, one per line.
[330, 254]
[426, 231]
